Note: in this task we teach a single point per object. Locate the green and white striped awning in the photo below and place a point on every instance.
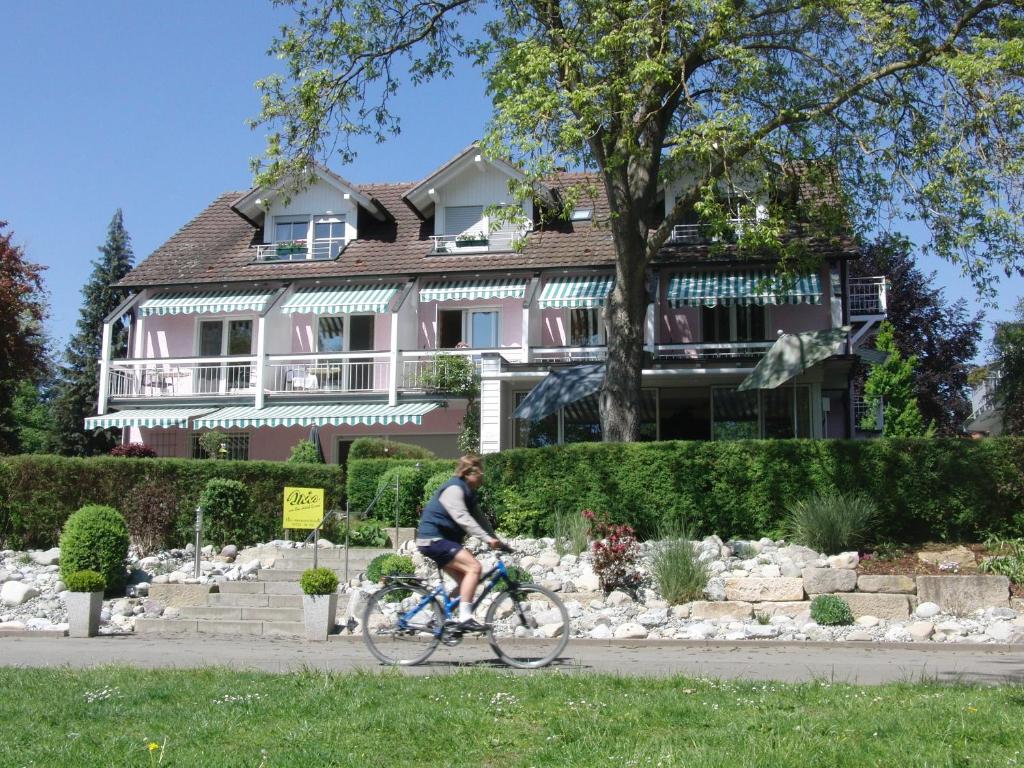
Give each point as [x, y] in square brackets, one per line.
[709, 289]
[317, 414]
[464, 290]
[204, 302]
[338, 299]
[576, 292]
[146, 417]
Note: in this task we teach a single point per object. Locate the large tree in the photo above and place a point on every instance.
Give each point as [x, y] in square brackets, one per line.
[1008, 354]
[942, 337]
[22, 344]
[77, 390]
[912, 105]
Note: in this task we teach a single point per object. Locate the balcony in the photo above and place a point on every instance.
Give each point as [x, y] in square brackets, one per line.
[868, 297]
[696, 234]
[325, 249]
[182, 377]
[493, 242]
[329, 373]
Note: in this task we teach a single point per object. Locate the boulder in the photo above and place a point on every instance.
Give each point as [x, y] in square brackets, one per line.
[927, 610]
[894, 584]
[549, 559]
[789, 608]
[844, 560]
[618, 598]
[229, 553]
[876, 604]
[630, 631]
[48, 557]
[17, 593]
[717, 610]
[964, 594]
[755, 590]
[960, 555]
[823, 581]
[921, 630]
[588, 582]
[601, 632]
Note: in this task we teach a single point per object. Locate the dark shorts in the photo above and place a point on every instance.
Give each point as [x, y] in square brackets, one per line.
[442, 551]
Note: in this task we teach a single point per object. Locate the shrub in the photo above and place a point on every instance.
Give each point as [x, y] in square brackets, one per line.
[571, 532]
[86, 581]
[616, 554]
[516, 574]
[150, 510]
[409, 481]
[319, 581]
[831, 522]
[831, 611]
[6, 486]
[378, 448]
[432, 483]
[211, 442]
[133, 451]
[516, 516]
[389, 564]
[227, 513]
[95, 538]
[1008, 560]
[364, 477]
[368, 533]
[305, 452]
[680, 575]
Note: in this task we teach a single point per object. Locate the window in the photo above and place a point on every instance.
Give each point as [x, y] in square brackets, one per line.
[220, 338]
[772, 413]
[736, 323]
[330, 334]
[463, 218]
[236, 445]
[734, 415]
[329, 236]
[586, 327]
[477, 328]
[578, 422]
[291, 228]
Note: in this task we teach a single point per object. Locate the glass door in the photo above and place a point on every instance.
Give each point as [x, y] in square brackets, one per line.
[239, 342]
[483, 329]
[211, 344]
[360, 340]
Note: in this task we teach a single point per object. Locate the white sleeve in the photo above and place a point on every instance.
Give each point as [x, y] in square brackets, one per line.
[454, 503]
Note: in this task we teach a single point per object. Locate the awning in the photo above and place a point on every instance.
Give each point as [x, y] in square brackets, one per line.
[759, 287]
[464, 290]
[339, 299]
[576, 292]
[793, 354]
[146, 417]
[204, 302]
[559, 389]
[317, 414]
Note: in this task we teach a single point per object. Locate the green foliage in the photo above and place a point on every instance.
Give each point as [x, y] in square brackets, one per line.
[33, 417]
[318, 581]
[214, 444]
[571, 533]
[389, 564]
[1008, 560]
[85, 581]
[407, 483]
[680, 576]
[368, 533]
[831, 522]
[227, 513]
[95, 538]
[432, 484]
[892, 383]
[516, 574]
[456, 376]
[151, 512]
[305, 452]
[6, 508]
[1008, 350]
[364, 477]
[518, 516]
[45, 490]
[831, 611]
[378, 448]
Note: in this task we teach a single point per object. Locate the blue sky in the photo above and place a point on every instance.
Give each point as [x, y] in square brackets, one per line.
[142, 106]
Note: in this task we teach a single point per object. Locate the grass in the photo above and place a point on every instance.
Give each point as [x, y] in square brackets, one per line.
[109, 716]
[571, 533]
[680, 575]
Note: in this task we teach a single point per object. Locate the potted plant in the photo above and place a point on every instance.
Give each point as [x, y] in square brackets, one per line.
[84, 601]
[468, 239]
[319, 602]
[288, 247]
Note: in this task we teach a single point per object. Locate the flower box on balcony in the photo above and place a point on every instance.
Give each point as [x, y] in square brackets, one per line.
[289, 249]
[467, 241]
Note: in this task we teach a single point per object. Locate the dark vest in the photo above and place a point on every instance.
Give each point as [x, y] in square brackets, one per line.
[436, 523]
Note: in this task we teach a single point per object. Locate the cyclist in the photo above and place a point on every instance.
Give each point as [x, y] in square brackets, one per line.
[451, 515]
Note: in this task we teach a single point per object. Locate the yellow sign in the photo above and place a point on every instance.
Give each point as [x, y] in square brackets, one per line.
[303, 507]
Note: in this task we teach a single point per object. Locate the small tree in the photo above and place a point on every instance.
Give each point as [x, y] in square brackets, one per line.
[305, 453]
[1008, 349]
[214, 444]
[892, 384]
[456, 376]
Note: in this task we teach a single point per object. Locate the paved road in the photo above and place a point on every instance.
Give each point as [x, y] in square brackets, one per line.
[792, 662]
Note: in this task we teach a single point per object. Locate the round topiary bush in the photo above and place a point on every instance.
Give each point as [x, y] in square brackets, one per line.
[389, 565]
[95, 538]
[228, 513]
[305, 453]
[831, 611]
[432, 483]
[86, 581]
[410, 491]
[319, 581]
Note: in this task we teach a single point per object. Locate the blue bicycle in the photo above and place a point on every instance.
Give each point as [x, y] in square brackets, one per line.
[527, 626]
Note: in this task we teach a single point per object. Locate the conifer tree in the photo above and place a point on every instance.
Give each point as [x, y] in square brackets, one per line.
[77, 390]
[892, 384]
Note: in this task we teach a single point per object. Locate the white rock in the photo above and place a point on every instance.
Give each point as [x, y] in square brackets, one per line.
[601, 632]
[867, 621]
[17, 593]
[949, 629]
[49, 557]
[11, 625]
[921, 630]
[588, 582]
[630, 631]
[860, 636]
[567, 561]
[927, 610]
[847, 560]
[4, 575]
[548, 559]
[654, 617]
[618, 598]
[681, 611]
[763, 631]
[701, 631]
[1000, 631]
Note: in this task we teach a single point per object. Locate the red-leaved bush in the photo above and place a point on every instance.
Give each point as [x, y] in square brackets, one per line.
[133, 451]
[615, 553]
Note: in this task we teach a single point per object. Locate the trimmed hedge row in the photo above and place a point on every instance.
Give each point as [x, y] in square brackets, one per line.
[925, 489]
[44, 490]
[364, 477]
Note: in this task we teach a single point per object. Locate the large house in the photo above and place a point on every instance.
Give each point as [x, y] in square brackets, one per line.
[270, 314]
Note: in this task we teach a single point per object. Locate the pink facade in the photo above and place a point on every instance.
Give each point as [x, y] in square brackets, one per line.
[303, 333]
[510, 322]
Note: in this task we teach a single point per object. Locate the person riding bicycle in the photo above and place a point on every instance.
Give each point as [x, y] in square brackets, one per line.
[451, 515]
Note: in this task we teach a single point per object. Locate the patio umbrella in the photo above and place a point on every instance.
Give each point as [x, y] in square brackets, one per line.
[314, 438]
[793, 354]
[559, 389]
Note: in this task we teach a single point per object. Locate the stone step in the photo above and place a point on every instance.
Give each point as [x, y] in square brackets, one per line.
[255, 601]
[274, 574]
[229, 613]
[330, 556]
[219, 627]
[260, 588]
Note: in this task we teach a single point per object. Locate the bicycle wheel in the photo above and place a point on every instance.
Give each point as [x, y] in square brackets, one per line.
[395, 630]
[529, 627]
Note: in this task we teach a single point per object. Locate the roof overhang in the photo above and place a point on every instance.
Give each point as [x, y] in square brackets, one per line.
[251, 206]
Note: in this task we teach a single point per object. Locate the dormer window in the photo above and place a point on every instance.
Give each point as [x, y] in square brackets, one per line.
[304, 238]
[328, 236]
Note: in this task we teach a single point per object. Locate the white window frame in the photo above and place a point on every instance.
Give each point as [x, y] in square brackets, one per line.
[224, 320]
[346, 343]
[295, 218]
[595, 312]
[467, 324]
[479, 226]
[328, 218]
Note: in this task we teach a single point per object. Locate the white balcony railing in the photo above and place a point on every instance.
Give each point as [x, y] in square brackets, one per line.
[323, 249]
[868, 296]
[501, 240]
[182, 377]
[420, 368]
[697, 233]
[712, 349]
[568, 354]
[343, 372]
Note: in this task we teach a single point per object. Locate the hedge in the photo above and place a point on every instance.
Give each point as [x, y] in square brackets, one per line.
[364, 476]
[926, 490]
[44, 490]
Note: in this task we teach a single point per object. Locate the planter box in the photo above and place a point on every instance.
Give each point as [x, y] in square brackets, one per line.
[318, 614]
[84, 613]
[474, 243]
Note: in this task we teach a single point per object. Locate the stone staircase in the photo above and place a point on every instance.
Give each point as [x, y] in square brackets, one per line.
[270, 605]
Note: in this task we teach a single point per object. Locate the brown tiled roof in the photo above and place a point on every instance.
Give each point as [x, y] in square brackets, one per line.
[215, 247]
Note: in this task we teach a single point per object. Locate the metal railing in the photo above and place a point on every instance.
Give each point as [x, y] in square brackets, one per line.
[501, 240]
[568, 354]
[322, 249]
[181, 377]
[420, 368]
[342, 372]
[715, 349]
[698, 233]
[868, 295]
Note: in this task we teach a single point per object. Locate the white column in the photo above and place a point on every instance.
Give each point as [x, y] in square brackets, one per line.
[490, 416]
[526, 336]
[101, 405]
[261, 358]
[393, 362]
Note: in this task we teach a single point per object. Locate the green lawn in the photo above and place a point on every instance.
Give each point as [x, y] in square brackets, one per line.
[217, 717]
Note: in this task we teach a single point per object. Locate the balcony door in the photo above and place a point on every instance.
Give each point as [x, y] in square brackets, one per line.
[223, 338]
[475, 328]
[350, 373]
